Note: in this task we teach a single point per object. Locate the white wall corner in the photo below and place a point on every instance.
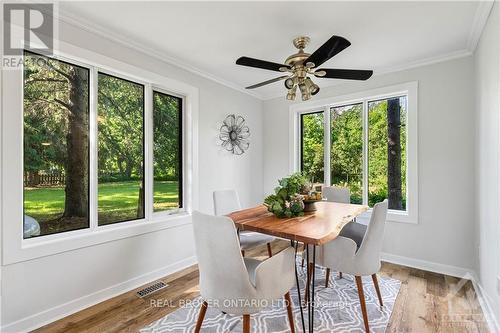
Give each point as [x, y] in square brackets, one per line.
[485, 303]
[480, 18]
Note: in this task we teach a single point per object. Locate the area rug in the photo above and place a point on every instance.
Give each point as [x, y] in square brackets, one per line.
[337, 310]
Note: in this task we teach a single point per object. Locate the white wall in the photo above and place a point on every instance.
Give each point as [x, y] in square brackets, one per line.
[487, 66]
[58, 284]
[444, 233]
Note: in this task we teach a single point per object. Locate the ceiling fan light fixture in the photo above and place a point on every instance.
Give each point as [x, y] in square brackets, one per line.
[304, 91]
[315, 89]
[312, 87]
[292, 93]
[289, 83]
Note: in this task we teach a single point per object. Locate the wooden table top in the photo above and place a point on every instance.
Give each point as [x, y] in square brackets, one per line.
[318, 227]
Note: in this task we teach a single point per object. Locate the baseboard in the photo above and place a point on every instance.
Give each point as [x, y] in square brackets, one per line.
[427, 265]
[485, 303]
[60, 311]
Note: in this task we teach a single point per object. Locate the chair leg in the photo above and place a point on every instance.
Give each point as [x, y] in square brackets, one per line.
[246, 323]
[340, 275]
[361, 295]
[242, 253]
[327, 277]
[308, 283]
[375, 283]
[201, 316]
[289, 311]
[269, 250]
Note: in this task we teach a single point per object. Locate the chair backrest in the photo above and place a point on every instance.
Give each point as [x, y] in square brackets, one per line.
[225, 202]
[337, 194]
[369, 251]
[223, 274]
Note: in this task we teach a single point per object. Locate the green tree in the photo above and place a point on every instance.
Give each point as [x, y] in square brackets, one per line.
[312, 146]
[56, 126]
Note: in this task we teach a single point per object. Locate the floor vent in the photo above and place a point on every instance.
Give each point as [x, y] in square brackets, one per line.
[151, 289]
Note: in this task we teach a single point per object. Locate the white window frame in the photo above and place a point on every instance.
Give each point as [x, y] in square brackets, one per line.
[14, 247]
[409, 89]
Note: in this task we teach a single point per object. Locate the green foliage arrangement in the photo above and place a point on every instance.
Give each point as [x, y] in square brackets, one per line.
[286, 200]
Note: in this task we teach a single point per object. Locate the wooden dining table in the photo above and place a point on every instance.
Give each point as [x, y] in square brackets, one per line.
[312, 229]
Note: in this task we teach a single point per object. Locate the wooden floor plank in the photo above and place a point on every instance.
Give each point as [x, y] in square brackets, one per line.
[427, 302]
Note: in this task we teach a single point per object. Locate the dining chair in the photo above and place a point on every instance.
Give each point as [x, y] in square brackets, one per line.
[337, 194]
[355, 231]
[345, 255]
[227, 201]
[233, 284]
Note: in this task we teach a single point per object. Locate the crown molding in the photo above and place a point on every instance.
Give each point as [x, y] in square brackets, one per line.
[66, 17]
[479, 22]
[480, 18]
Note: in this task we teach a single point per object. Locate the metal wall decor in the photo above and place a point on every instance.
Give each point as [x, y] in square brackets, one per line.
[234, 134]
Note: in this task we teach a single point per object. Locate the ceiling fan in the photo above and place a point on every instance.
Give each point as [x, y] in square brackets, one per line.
[302, 65]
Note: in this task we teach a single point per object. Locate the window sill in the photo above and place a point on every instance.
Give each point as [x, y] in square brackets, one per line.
[392, 216]
[72, 240]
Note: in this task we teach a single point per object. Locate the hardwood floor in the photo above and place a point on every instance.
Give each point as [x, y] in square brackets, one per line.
[427, 302]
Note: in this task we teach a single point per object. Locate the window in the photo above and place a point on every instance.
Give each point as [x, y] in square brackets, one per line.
[56, 146]
[85, 164]
[120, 131]
[312, 146]
[370, 143]
[346, 150]
[387, 152]
[167, 152]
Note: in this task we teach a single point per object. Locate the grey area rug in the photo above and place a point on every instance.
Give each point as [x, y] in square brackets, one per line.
[337, 310]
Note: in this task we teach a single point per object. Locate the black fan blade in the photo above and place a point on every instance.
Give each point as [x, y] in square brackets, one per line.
[251, 62]
[332, 46]
[346, 74]
[267, 82]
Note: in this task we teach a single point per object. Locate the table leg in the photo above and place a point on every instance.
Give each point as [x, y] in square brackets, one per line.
[296, 245]
[313, 291]
[307, 286]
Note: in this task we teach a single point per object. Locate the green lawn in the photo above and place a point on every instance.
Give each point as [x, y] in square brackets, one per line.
[117, 201]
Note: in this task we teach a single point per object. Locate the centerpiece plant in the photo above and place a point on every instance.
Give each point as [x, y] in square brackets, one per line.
[287, 200]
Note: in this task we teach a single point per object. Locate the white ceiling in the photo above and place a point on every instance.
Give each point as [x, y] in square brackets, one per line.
[209, 36]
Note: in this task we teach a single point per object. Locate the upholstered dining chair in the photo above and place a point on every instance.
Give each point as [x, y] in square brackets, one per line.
[354, 231]
[345, 255]
[233, 284]
[337, 194]
[333, 194]
[227, 201]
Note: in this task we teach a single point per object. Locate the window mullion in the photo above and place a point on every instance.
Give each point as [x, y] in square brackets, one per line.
[148, 152]
[327, 149]
[93, 163]
[365, 152]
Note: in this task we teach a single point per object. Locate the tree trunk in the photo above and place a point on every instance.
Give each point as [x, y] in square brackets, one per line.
[140, 202]
[128, 169]
[394, 154]
[76, 202]
[120, 166]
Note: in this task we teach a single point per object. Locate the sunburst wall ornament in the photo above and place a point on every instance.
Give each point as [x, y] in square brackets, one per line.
[234, 134]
